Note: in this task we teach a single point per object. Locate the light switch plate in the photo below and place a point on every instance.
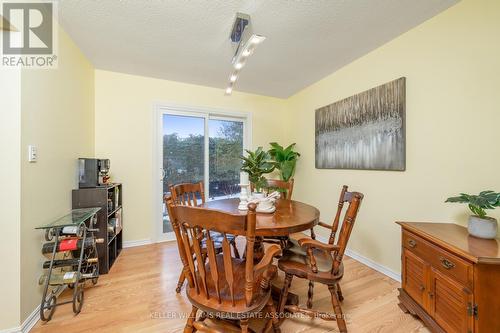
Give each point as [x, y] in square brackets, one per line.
[32, 154]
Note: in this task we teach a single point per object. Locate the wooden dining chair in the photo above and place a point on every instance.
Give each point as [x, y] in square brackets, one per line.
[319, 262]
[222, 286]
[284, 187]
[193, 194]
[167, 198]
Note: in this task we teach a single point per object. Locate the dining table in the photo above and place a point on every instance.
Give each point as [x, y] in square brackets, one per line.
[290, 217]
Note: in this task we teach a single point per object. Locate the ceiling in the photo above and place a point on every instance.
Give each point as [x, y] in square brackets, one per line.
[188, 40]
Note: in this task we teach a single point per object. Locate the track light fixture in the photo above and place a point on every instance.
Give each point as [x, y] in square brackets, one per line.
[245, 43]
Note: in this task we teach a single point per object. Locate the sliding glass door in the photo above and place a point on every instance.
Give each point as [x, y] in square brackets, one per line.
[199, 146]
[224, 150]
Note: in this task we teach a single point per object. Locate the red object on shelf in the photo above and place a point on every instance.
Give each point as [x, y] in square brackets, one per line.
[68, 244]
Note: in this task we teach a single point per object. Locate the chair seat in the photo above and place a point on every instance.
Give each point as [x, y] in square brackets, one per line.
[240, 309]
[296, 261]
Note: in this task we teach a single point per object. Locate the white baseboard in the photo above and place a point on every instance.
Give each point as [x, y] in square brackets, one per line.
[29, 322]
[11, 330]
[139, 242]
[367, 261]
[169, 238]
[372, 264]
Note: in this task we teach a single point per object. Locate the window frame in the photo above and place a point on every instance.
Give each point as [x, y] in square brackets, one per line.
[179, 110]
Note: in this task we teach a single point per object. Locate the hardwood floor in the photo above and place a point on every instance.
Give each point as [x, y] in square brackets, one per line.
[138, 295]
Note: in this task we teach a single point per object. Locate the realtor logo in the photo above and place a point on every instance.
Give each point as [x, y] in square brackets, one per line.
[29, 35]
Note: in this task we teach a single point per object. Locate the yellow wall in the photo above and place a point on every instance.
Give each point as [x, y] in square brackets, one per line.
[124, 125]
[10, 196]
[452, 66]
[57, 117]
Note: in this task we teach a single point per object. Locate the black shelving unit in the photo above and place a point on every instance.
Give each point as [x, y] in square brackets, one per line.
[109, 198]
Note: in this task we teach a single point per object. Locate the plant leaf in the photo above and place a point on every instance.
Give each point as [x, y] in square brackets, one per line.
[478, 203]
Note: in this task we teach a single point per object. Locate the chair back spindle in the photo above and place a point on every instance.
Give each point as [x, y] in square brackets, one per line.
[335, 224]
[354, 199]
[251, 224]
[212, 261]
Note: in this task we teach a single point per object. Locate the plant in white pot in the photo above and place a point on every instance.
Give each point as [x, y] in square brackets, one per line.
[480, 225]
[256, 164]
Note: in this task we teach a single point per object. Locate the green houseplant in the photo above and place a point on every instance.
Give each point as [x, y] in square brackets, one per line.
[256, 164]
[480, 225]
[284, 159]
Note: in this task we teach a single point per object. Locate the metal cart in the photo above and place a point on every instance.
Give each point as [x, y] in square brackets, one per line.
[84, 220]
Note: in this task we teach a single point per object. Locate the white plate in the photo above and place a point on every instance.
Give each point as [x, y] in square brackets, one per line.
[269, 210]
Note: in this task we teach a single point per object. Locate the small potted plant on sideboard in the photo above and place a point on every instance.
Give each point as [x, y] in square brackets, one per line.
[480, 225]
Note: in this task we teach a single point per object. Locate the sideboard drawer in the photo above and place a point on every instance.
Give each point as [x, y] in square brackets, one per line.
[442, 260]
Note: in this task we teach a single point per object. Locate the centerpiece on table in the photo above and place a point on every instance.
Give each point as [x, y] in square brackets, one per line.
[256, 164]
[480, 225]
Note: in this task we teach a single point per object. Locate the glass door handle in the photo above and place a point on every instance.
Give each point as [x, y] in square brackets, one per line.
[162, 174]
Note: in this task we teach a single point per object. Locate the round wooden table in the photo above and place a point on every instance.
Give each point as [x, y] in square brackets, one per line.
[290, 216]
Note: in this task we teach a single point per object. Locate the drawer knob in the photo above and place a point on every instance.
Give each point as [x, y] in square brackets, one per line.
[412, 243]
[421, 287]
[446, 263]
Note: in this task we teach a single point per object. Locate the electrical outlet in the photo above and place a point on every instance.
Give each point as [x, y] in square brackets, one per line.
[32, 154]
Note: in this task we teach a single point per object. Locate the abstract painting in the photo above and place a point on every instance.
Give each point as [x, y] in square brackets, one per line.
[364, 131]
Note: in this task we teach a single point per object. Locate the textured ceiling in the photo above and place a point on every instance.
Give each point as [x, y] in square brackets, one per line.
[188, 40]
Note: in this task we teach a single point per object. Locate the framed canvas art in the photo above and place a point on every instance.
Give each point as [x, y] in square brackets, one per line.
[364, 131]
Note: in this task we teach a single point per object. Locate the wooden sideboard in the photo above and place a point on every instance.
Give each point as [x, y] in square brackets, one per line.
[449, 279]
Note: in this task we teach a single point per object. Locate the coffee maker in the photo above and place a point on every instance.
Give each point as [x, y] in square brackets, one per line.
[93, 172]
[103, 167]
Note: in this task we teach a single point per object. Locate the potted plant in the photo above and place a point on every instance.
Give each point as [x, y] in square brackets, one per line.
[284, 159]
[256, 164]
[480, 225]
